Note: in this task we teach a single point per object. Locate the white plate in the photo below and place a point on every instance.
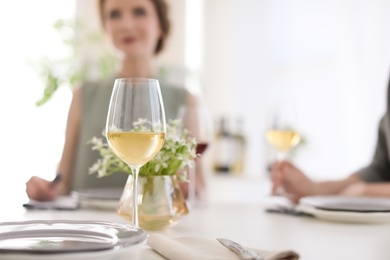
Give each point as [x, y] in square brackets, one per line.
[345, 216]
[66, 239]
[351, 204]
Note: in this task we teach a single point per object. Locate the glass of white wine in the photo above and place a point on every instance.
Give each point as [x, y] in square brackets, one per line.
[136, 125]
[281, 133]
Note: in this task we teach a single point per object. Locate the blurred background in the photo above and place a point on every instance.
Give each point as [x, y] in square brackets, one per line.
[328, 59]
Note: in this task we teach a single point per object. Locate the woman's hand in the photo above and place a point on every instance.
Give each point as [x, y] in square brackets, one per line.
[40, 189]
[293, 181]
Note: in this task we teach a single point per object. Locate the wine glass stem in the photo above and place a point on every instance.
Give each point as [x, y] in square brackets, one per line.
[135, 196]
[191, 185]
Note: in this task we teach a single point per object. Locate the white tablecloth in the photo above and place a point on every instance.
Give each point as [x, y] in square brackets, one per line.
[247, 223]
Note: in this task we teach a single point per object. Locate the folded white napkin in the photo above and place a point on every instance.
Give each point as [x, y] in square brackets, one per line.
[195, 248]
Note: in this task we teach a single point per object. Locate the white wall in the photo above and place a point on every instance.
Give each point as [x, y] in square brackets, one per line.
[32, 137]
[329, 57]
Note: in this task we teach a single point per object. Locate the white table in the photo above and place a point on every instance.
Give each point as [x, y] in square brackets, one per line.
[249, 224]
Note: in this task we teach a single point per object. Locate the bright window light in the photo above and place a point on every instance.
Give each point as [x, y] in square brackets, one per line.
[32, 138]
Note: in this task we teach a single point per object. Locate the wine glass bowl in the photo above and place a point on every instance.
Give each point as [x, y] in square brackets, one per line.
[281, 133]
[198, 121]
[283, 140]
[135, 125]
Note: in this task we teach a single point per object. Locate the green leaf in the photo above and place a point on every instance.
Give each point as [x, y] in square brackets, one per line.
[65, 71]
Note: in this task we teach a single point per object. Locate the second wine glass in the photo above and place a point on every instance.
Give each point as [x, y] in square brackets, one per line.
[197, 119]
[136, 125]
[282, 134]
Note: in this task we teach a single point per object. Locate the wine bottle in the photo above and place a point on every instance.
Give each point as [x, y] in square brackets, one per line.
[240, 147]
[224, 148]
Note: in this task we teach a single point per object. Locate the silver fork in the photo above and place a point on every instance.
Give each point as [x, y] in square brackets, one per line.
[243, 252]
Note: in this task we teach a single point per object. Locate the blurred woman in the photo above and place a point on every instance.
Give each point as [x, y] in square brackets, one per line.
[373, 180]
[138, 29]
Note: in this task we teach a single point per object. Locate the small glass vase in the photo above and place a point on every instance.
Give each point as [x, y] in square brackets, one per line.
[160, 202]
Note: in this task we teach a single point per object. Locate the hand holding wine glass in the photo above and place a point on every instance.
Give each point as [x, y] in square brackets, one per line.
[136, 125]
[282, 136]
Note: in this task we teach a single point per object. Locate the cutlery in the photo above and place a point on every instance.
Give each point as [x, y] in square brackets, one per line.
[243, 252]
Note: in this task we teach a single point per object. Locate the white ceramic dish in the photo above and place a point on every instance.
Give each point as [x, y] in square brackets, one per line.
[66, 239]
[334, 211]
[351, 204]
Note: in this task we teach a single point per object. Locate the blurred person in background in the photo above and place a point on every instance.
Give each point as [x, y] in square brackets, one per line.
[138, 29]
[373, 180]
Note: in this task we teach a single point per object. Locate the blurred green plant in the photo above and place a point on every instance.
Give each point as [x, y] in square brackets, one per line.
[88, 58]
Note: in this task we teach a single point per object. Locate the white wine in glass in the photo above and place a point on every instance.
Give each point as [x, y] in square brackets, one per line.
[136, 125]
[281, 134]
[123, 143]
[283, 139]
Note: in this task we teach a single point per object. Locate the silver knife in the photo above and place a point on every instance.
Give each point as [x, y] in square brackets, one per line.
[243, 252]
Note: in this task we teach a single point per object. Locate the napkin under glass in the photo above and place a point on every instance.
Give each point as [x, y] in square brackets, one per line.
[195, 248]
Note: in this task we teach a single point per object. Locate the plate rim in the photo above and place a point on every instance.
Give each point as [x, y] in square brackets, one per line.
[320, 205]
[118, 243]
[346, 216]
